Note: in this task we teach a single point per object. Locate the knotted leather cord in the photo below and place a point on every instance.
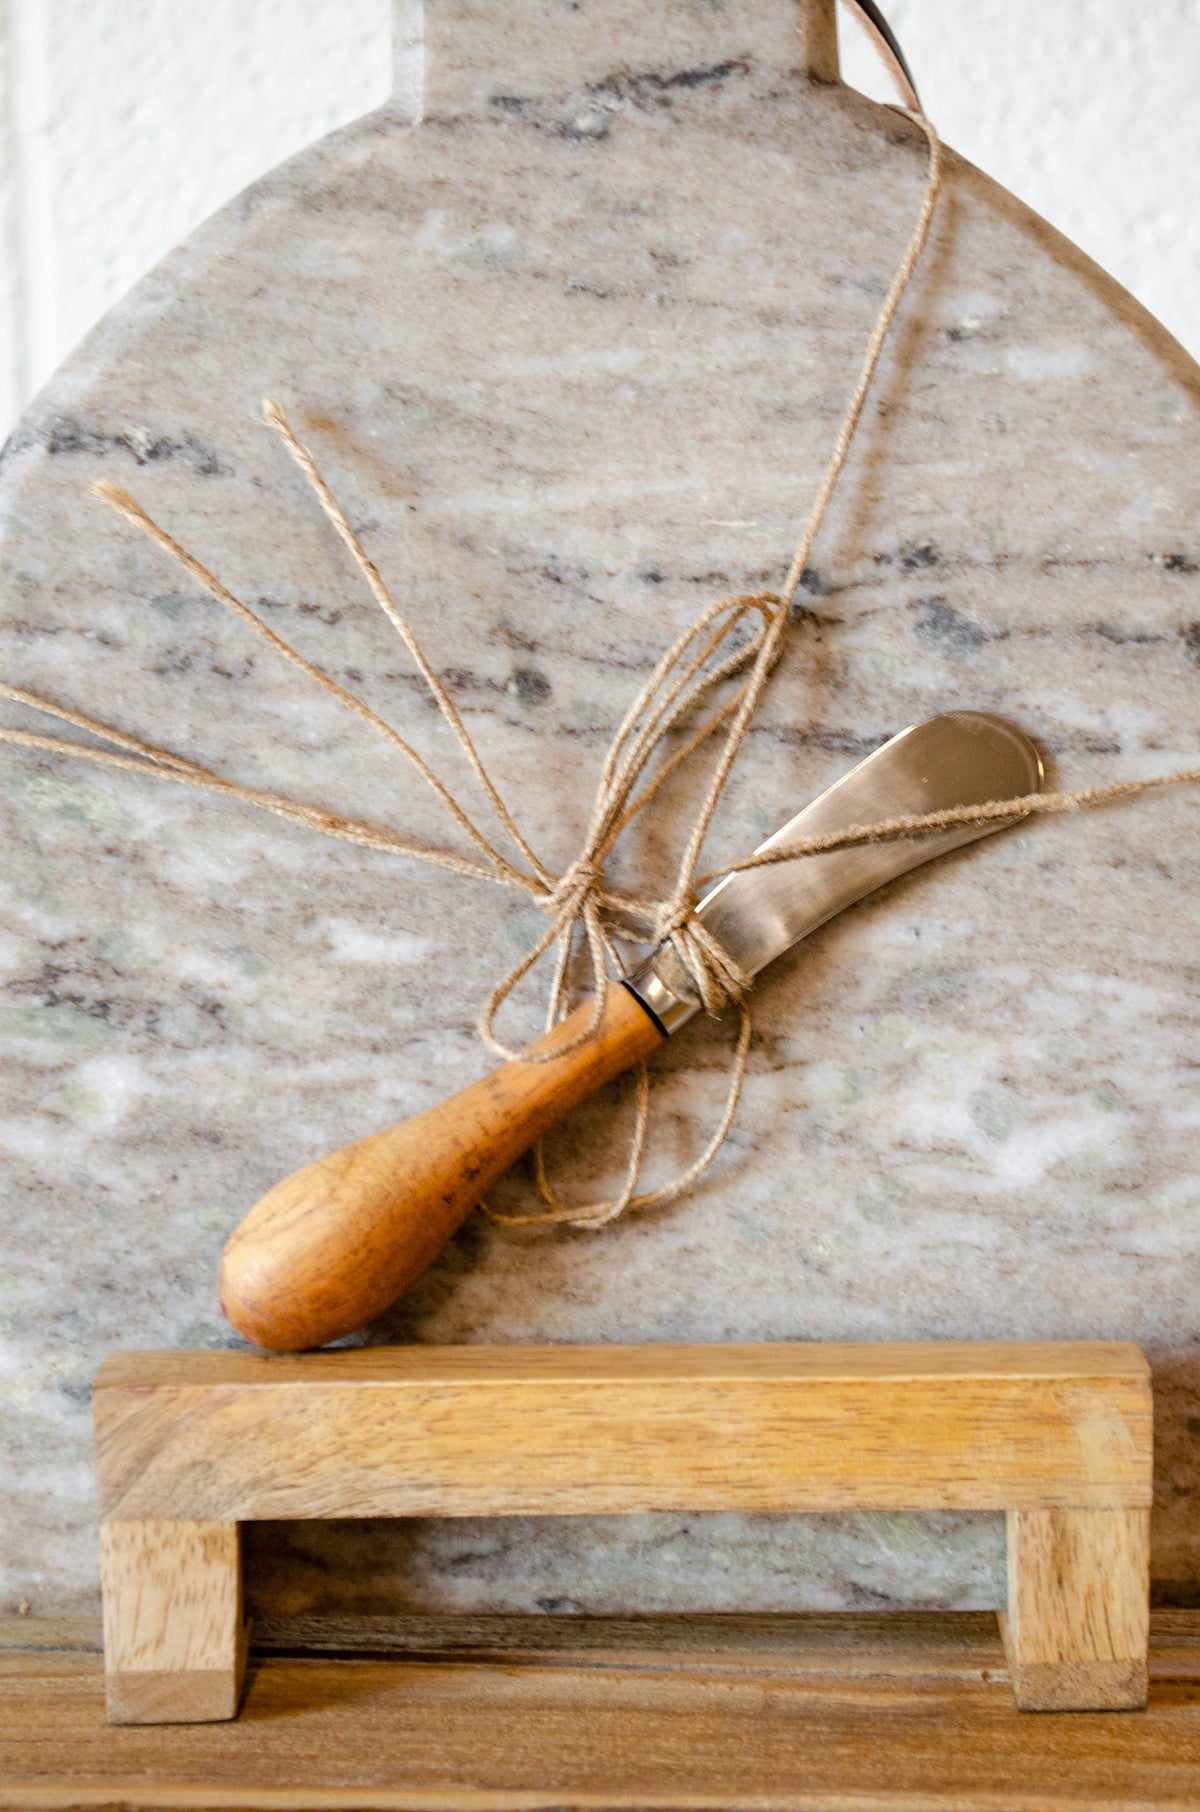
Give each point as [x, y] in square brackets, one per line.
[736, 638]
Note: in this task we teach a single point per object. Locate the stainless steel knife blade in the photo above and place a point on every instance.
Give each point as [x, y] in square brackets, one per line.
[959, 758]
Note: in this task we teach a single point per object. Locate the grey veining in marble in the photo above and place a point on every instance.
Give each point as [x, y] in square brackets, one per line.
[573, 349]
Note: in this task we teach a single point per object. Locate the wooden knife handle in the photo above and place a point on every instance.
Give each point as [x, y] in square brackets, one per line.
[336, 1243]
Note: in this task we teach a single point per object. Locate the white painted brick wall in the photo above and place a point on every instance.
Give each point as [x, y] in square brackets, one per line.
[124, 122]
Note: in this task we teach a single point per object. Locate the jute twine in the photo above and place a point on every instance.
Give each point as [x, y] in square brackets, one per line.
[730, 650]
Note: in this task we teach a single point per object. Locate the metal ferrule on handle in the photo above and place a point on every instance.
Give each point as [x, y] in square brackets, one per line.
[662, 985]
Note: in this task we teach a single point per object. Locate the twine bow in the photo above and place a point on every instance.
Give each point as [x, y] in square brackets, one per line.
[707, 684]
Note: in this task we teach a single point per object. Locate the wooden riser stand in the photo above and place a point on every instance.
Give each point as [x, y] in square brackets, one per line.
[191, 1445]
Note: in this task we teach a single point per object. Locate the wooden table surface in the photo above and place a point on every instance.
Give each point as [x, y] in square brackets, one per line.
[845, 1714]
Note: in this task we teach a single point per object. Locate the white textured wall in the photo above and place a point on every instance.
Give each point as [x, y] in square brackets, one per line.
[124, 122]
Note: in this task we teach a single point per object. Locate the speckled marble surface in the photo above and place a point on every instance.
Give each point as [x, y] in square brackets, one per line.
[573, 350]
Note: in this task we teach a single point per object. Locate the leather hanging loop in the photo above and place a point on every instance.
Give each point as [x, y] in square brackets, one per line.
[869, 18]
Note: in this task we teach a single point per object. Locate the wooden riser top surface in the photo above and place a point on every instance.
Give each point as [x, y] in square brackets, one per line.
[495, 1365]
[845, 1714]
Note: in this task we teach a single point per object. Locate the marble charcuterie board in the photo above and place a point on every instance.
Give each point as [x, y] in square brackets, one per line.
[573, 349]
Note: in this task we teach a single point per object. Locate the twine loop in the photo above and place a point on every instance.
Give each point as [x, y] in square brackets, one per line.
[717, 979]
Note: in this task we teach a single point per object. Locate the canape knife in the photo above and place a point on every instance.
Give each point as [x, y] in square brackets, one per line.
[336, 1243]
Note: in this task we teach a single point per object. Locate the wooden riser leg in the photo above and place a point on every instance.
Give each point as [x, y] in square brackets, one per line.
[174, 1633]
[1078, 1619]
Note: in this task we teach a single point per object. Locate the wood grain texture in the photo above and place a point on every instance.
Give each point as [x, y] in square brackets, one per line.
[337, 1242]
[564, 1430]
[1078, 1615]
[235, 1437]
[174, 1633]
[850, 1714]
